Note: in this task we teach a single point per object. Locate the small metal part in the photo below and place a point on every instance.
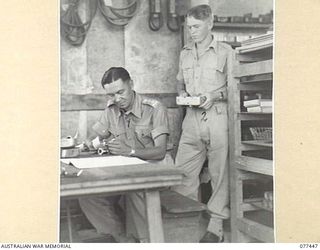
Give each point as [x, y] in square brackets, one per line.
[102, 151]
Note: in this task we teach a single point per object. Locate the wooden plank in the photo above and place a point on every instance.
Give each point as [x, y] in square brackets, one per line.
[262, 55]
[254, 78]
[256, 230]
[245, 116]
[260, 38]
[258, 86]
[259, 46]
[256, 68]
[256, 165]
[173, 202]
[245, 207]
[267, 144]
[261, 206]
[98, 101]
[242, 25]
[141, 184]
[69, 222]
[153, 210]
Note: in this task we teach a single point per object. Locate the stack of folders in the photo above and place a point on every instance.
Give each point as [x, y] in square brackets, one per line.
[258, 105]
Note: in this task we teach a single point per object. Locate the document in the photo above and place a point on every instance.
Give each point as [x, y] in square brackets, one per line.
[99, 162]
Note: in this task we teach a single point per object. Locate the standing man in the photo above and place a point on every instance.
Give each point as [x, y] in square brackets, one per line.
[202, 72]
[133, 126]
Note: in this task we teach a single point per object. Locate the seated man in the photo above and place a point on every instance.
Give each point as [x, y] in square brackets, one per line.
[133, 126]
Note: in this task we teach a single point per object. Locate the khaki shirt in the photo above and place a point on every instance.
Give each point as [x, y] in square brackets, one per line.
[139, 126]
[205, 74]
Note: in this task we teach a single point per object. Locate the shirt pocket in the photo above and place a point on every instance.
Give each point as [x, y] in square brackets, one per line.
[187, 71]
[187, 75]
[143, 134]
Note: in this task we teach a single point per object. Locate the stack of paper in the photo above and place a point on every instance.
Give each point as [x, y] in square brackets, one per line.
[101, 162]
[258, 105]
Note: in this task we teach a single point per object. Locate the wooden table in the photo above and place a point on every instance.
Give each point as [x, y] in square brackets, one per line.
[148, 178]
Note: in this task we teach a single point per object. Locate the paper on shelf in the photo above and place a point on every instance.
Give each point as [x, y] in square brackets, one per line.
[99, 162]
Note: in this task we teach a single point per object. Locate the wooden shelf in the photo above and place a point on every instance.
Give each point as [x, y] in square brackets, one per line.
[256, 230]
[255, 68]
[260, 205]
[255, 113]
[253, 164]
[251, 70]
[257, 203]
[261, 143]
[246, 116]
[242, 25]
[262, 81]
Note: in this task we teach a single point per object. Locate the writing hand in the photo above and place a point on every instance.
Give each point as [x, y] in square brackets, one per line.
[118, 147]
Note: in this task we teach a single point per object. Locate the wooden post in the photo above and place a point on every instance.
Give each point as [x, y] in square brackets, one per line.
[69, 222]
[153, 209]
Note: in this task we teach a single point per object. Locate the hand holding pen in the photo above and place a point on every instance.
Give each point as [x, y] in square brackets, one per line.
[118, 147]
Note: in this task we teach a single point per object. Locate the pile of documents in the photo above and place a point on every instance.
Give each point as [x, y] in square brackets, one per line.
[258, 105]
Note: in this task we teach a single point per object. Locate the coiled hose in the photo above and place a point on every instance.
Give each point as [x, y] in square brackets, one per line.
[119, 16]
[73, 29]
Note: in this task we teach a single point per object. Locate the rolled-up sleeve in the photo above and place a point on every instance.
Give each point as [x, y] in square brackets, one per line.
[160, 121]
[101, 127]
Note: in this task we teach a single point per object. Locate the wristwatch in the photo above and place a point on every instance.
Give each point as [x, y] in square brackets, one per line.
[132, 152]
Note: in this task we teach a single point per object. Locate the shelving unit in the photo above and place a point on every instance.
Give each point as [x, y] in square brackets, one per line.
[250, 71]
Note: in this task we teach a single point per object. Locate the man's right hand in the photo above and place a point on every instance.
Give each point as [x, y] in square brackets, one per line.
[183, 93]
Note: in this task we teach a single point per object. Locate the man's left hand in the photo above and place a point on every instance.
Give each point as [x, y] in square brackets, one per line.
[118, 147]
[207, 104]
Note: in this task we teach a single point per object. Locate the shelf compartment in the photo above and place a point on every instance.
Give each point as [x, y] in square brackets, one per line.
[257, 79]
[256, 68]
[262, 55]
[260, 143]
[245, 116]
[257, 165]
[256, 230]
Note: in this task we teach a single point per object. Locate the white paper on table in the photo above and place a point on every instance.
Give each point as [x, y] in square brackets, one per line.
[99, 162]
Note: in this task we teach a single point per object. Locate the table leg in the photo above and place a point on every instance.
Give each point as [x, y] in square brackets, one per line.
[154, 218]
[69, 222]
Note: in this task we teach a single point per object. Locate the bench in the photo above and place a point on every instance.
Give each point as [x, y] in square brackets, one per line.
[181, 216]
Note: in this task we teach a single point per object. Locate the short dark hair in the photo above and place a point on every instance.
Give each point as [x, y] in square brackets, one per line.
[113, 74]
[200, 12]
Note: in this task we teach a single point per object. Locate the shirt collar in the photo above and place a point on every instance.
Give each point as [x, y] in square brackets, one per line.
[136, 107]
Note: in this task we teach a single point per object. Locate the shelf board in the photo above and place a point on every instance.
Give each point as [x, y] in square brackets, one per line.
[256, 230]
[256, 202]
[255, 47]
[261, 143]
[242, 25]
[255, 113]
[256, 165]
[255, 68]
[246, 116]
[260, 205]
[269, 80]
